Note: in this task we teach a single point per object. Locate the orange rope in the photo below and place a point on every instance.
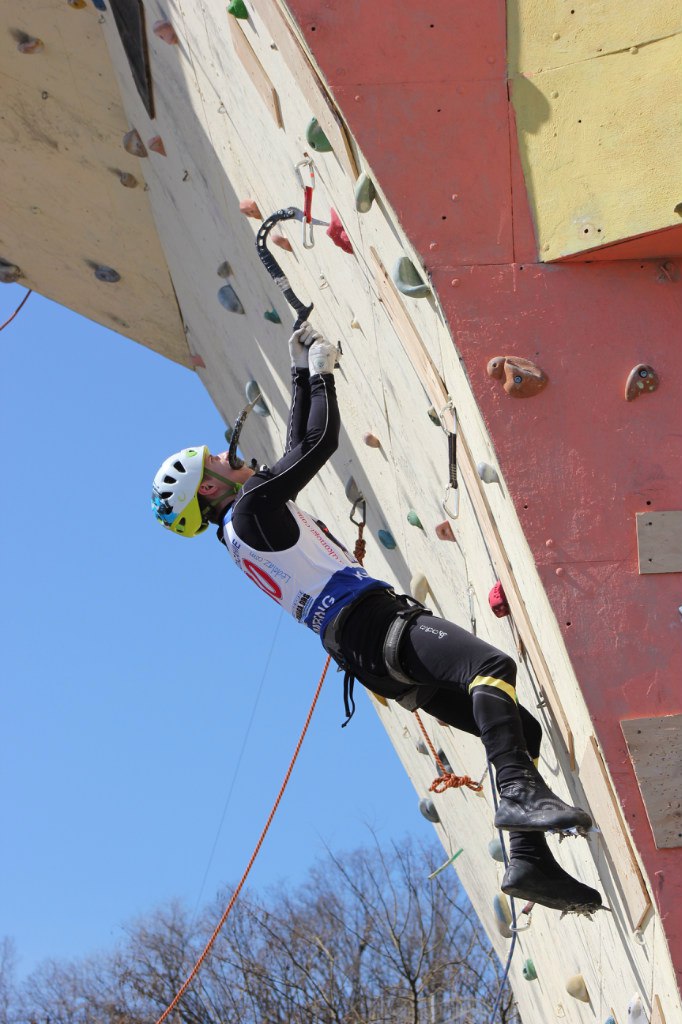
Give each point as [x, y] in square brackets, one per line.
[17, 310]
[195, 970]
[446, 780]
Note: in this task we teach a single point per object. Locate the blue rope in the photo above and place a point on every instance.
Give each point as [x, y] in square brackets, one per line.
[507, 968]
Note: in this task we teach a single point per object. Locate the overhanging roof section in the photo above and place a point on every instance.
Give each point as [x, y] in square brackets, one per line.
[596, 94]
[66, 218]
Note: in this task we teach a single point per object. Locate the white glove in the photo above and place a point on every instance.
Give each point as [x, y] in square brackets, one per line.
[299, 343]
[323, 356]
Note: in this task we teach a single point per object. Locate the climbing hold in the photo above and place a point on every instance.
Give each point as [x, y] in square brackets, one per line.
[365, 193]
[99, 5]
[77, 5]
[421, 745]
[428, 809]
[133, 144]
[29, 44]
[641, 379]
[9, 272]
[156, 144]
[495, 850]
[503, 918]
[224, 270]
[443, 758]
[277, 238]
[371, 440]
[164, 30]
[107, 274]
[253, 394]
[198, 362]
[432, 413]
[127, 180]
[353, 492]
[529, 972]
[237, 8]
[419, 587]
[228, 298]
[316, 138]
[249, 207]
[413, 519]
[610, 1019]
[522, 379]
[355, 324]
[487, 473]
[575, 986]
[272, 315]
[228, 433]
[636, 1010]
[338, 233]
[408, 280]
[387, 539]
[497, 599]
[444, 531]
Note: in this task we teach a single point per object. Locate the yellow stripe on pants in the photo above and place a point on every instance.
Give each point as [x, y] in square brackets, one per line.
[496, 684]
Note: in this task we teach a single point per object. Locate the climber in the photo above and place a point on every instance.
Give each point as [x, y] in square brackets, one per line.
[389, 642]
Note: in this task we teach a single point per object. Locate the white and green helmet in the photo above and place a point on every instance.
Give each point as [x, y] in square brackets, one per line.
[174, 492]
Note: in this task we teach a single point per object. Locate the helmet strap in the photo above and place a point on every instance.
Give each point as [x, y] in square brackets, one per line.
[218, 500]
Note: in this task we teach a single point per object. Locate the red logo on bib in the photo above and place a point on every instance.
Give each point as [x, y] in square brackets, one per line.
[262, 579]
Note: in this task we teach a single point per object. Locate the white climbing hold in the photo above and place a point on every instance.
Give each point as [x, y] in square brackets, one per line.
[419, 587]
[421, 745]
[576, 987]
[253, 394]
[636, 1013]
[487, 473]
[428, 809]
[133, 144]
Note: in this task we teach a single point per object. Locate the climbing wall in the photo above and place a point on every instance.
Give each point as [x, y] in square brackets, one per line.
[444, 309]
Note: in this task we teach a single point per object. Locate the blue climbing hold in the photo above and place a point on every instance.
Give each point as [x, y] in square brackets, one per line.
[387, 539]
[228, 298]
[99, 5]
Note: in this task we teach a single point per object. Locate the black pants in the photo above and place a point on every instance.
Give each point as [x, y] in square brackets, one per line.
[476, 683]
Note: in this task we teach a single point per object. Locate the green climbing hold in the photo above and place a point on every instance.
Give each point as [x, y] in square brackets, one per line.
[365, 193]
[387, 539]
[407, 279]
[272, 315]
[316, 138]
[413, 519]
[237, 8]
[529, 972]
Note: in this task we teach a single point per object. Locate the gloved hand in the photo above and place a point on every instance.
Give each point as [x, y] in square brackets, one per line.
[323, 355]
[299, 344]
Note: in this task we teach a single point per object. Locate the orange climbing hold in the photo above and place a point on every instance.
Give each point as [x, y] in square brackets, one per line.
[249, 207]
[444, 531]
[522, 379]
[277, 238]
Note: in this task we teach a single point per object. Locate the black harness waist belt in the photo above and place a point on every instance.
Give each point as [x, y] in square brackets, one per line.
[407, 609]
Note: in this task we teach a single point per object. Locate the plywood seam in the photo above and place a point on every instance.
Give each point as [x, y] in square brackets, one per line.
[547, 69]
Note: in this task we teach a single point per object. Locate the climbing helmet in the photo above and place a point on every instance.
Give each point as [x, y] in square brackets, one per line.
[174, 492]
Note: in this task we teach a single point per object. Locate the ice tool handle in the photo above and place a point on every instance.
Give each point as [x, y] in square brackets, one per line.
[272, 266]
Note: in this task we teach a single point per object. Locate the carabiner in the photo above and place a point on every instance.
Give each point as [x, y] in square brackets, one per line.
[453, 514]
[307, 221]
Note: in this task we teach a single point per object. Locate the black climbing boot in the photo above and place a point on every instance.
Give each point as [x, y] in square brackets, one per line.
[527, 804]
[534, 875]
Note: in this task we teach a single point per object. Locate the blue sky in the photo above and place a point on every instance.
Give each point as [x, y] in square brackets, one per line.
[152, 697]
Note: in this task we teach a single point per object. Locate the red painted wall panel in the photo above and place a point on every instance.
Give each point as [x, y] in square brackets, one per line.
[428, 107]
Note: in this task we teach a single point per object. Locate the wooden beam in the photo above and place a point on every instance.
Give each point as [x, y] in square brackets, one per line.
[435, 388]
[607, 814]
[322, 105]
[255, 71]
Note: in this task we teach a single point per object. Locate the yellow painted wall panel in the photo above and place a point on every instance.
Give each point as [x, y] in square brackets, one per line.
[545, 34]
[600, 144]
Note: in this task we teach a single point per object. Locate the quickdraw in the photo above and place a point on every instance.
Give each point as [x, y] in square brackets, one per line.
[453, 487]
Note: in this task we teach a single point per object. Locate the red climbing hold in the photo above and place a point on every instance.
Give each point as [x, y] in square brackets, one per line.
[249, 207]
[498, 601]
[164, 30]
[444, 531]
[156, 145]
[337, 232]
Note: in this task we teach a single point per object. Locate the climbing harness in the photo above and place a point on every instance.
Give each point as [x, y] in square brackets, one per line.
[207, 949]
[450, 503]
[17, 310]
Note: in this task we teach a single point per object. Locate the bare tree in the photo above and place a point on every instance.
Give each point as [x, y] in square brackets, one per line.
[367, 939]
